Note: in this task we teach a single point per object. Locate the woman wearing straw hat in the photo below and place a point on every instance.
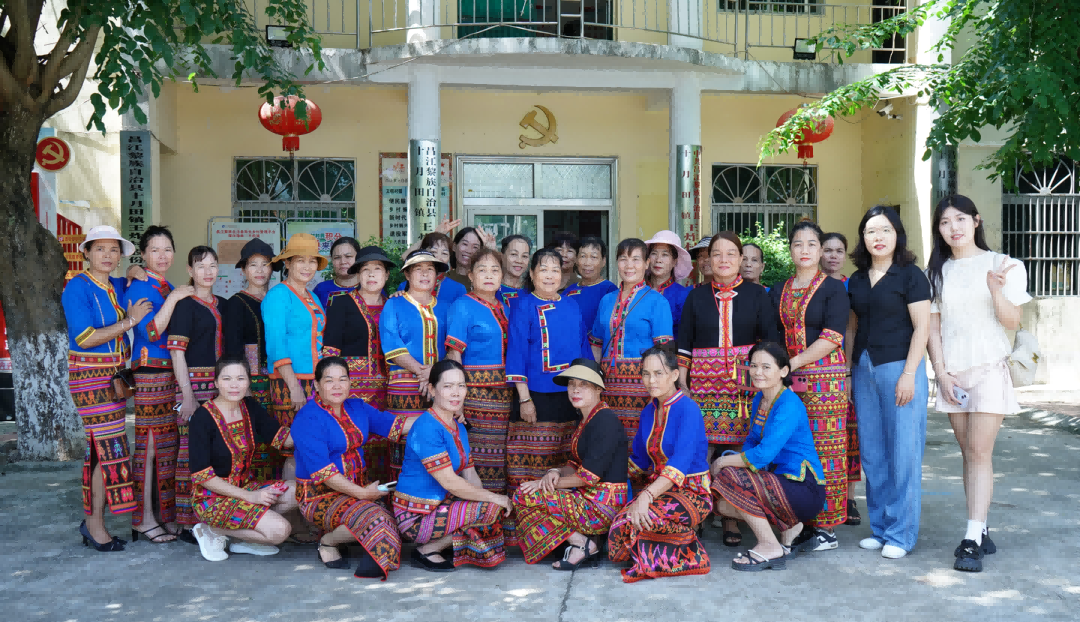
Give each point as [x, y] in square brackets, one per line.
[581, 498]
[98, 349]
[669, 263]
[294, 321]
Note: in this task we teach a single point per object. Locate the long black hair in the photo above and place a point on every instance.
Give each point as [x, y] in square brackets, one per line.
[902, 256]
[457, 240]
[941, 251]
[669, 358]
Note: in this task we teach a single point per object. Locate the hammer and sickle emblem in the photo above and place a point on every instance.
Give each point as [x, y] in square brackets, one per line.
[547, 134]
[52, 154]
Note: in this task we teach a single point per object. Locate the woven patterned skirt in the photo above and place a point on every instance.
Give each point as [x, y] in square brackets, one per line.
[764, 494]
[672, 547]
[532, 449]
[477, 532]
[229, 512]
[202, 385]
[713, 385]
[155, 397]
[371, 389]
[367, 521]
[854, 460]
[625, 394]
[402, 398]
[281, 399]
[103, 418]
[547, 519]
[487, 409]
[827, 406]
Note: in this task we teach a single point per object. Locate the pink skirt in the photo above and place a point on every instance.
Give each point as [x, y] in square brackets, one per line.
[989, 387]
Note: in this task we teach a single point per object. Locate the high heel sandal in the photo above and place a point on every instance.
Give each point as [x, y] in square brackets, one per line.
[564, 563]
[335, 564]
[116, 544]
[135, 533]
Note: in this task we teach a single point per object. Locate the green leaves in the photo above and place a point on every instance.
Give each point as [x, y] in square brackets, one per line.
[774, 252]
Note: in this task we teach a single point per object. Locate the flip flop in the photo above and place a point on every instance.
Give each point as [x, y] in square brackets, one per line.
[758, 562]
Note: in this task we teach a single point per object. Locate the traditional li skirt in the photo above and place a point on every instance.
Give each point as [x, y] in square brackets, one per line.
[266, 462]
[854, 460]
[103, 418]
[367, 521]
[764, 494]
[672, 547]
[281, 399]
[625, 394]
[725, 407]
[403, 398]
[155, 398]
[827, 406]
[487, 409]
[371, 387]
[474, 525]
[202, 385]
[229, 512]
[547, 519]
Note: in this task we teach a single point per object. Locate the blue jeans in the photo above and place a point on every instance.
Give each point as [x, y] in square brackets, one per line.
[891, 442]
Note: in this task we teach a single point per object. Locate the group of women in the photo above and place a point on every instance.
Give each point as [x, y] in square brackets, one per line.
[519, 398]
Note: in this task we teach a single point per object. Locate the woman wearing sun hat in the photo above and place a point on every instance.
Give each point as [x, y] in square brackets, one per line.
[294, 320]
[97, 349]
[669, 264]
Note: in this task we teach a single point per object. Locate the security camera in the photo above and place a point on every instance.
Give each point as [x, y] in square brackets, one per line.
[886, 111]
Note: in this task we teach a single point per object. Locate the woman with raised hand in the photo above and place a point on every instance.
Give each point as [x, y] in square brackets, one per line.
[156, 437]
[516, 250]
[669, 264]
[334, 489]
[97, 350]
[343, 254]
[813, 315]
[467, 243]
[294, 320]
[440, 501]
[594, 284]
[627, 323]
[976, 295]
[890, 298]
[669, 464]
[578, 500]
[195, 344]
[229, 500]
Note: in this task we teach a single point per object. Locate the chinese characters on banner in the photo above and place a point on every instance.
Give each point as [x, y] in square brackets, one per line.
[228, 239]
[688, 192]
[135, 195]
[393, 194]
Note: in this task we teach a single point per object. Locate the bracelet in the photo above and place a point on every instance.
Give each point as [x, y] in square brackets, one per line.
[645, 491]
[909, 373]
[525, 401]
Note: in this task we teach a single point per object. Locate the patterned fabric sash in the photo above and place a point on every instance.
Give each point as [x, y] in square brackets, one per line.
[431, 327]
[251, 351]
[723, 295]
[213, 309]
[371, 315]
[121, 343]
[500, 317]
[793, 304]
[617, 322]
[354, 440]
[453, 429]
[318, 318]
[238, 438]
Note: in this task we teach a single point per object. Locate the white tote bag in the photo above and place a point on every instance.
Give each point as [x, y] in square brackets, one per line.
[1024, 360]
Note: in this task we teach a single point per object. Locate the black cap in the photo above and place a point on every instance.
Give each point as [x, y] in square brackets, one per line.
[371, 253]
[255, 246]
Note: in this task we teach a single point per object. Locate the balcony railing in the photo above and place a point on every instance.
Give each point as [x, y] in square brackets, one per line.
[724, 26]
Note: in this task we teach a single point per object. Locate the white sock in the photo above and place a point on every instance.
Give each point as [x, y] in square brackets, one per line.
[975, 531]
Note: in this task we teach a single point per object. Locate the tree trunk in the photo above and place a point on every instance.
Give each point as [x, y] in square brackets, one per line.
[32, 268]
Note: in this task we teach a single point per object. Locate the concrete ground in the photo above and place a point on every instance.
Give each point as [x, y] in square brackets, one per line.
[48, 575]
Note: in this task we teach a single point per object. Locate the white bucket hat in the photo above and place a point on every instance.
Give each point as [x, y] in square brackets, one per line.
[683, 263]
[105, 232]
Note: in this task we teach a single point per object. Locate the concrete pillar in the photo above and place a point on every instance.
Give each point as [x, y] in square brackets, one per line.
[423, 13]
[424, 151]
[684, 17]
[684, 211]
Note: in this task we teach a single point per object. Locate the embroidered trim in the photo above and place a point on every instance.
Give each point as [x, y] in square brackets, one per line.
[203, 476]
[327, 351]
[397, 430]
[371, 316]
[545, 339]
[325, 473]
[832, 336]
[281, 362]
[499, 313]
[177, 342]
[456, 344]
[437, 462]
[747, 463]
[212, 307]
[393, 354]
[512, 378]
[431, 328]
[675, 475]
[280, 438]
[618, 319]
[83, 336]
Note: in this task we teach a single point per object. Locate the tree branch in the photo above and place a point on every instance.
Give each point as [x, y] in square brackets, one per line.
[67, 95]
[14, 93]
[24, 66]
[78, 58]
[51, 74]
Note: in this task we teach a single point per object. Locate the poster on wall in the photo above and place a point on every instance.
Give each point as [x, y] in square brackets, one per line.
[228, 239]
[393, 194]
[326, 232]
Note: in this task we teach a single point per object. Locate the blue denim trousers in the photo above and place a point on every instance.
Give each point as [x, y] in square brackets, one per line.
[891, 441]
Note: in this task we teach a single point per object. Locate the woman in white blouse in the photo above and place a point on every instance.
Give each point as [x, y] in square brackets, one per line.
[976, 296]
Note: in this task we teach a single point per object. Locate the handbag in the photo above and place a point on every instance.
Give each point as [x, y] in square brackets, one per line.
[123, 384]
[1024, 359]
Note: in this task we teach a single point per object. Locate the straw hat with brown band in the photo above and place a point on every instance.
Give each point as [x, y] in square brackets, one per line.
[302, 245]
[581, 369]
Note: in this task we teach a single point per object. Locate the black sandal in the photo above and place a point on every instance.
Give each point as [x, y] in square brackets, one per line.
[968, 557]
[424, 561]
[334, 564]
[853, 517]
[732, 538]
[758, 562]
[135, 533]
[564, 563]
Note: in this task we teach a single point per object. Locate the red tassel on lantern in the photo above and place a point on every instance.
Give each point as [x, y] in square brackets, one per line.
[281, 119]
[818, 131]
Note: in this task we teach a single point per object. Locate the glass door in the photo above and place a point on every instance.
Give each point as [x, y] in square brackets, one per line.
[504, 221]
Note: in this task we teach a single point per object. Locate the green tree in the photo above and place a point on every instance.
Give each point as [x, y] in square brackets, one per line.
[1021, 72]
[774, 253]
[132, 48]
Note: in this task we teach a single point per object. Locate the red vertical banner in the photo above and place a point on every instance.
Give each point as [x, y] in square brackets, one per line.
[34, 193]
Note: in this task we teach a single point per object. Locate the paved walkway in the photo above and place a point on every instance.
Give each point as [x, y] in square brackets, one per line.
[1035, 520]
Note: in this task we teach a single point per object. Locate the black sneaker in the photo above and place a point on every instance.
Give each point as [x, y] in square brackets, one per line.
[988, 547]
[814, 540]
[853, 517]
[968, 557]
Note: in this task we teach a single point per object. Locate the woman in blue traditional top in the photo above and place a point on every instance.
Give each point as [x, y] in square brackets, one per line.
[294, 321]
[669, 264]
[343, 254]
[669, 464]
[515, 251]
[445, 290]
[628, 322]
[476, 338]
[594, 285]
[156, 435]
[440, 500]
[412, 332]
[333, 489]
[777, 479]
[546, 335]
[98, 349]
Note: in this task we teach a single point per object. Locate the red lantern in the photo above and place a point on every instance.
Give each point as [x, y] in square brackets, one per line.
[281, 119]
[818, 131]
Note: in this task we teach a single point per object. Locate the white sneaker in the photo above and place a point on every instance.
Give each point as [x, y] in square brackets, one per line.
[870, 544]
[211, 545]
[890, 551]
[252, 548]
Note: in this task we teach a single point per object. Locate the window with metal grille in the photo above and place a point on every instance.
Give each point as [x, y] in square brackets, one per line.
[743, 194]
[1040, 224]
[313, 188]
[771, 6]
